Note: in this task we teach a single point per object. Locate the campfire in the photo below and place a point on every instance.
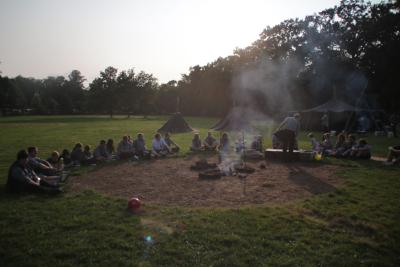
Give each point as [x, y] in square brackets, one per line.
[212, 171]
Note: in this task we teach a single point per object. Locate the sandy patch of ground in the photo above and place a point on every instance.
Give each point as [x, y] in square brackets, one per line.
[170, 181]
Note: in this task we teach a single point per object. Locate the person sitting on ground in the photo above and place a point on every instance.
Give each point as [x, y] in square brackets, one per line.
[314, 143]
[348, 145]
[110, 147]
[65, 157]
[173, 147]
[21, 178]
[361, 151]
[88, 157]
[255, 150]
[77, 155]
[393, 155]
[224, 145]
[139, 146]
[125, 148]
[240, 144]
[196, 143]
[256, 144]
[55, 162]
[210, 143]
[159, 147]
[339, 146]
[130, 140]
[39, 165]
[100, 153]
[326, 144]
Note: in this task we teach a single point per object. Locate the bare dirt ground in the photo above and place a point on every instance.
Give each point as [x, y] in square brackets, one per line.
[170, 181]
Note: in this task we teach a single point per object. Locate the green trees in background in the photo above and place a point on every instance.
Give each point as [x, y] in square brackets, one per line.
[352, 47]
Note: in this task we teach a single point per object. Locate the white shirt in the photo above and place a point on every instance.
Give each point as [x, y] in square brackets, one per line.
[158, 144]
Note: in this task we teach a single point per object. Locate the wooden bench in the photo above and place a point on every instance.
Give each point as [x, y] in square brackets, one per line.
[277, 154]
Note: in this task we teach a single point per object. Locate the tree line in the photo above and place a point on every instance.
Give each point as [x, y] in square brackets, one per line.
[344, 48]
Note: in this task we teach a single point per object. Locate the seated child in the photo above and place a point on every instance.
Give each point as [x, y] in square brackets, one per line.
[196, 143]
[340, 146]
[88, 157]
[361, 151]
[348, 145]
[55, 162]
[173, 147]
[139, 146]
[39, 165]
[77, 154]
[256, 144]
[210, 143]
[65, 157]
[224, 145]
[21, 178]
[100, 153]
[314, 143]
[110, 147]
[125, 148]
[326, 144]
[159, 147]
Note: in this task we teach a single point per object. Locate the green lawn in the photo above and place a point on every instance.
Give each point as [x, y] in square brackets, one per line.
[358, 224]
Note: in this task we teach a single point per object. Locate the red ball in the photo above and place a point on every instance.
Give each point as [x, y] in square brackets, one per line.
[134, 204]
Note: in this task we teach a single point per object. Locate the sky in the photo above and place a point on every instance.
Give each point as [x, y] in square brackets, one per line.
[41, 38]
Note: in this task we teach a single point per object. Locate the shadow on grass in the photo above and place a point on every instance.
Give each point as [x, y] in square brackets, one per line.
[312, 184]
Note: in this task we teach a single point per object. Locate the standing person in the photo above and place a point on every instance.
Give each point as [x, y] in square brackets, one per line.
[325, 122]
[287, 132]
[125, 148]
[21, 178]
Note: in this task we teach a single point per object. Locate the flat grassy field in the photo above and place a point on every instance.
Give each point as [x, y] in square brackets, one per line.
[355, 225]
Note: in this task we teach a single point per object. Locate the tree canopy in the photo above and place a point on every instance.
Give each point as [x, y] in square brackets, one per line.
[351, 49]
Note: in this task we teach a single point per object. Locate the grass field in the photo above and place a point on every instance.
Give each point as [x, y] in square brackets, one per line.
[358, 224]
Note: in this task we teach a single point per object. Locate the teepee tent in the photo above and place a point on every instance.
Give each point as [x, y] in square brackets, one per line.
[175, 124]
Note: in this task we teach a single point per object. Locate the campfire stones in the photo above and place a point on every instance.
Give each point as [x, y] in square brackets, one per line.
[203, 165]
[244, 169]
[210, 174]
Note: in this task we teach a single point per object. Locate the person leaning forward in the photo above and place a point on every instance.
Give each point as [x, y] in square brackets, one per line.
[287, 132]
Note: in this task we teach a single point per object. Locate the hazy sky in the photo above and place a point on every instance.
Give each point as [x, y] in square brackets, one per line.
[41, 38]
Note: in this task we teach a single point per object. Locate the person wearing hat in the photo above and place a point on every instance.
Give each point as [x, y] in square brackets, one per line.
[287, 132]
